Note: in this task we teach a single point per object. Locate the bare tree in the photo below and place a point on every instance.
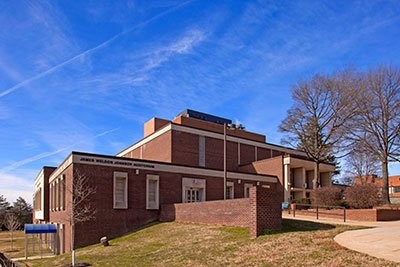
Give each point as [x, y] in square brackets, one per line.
[314, 124]
[361, 163]
[377, 123]
[81, 209]
[12, 224]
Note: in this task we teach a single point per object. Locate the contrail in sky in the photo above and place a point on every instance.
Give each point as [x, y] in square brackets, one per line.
[43, 155]
[103, 44]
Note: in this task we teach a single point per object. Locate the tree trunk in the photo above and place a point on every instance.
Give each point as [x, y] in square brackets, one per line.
[316, 180]
[73, 244]
[385, 178]
[12, 240]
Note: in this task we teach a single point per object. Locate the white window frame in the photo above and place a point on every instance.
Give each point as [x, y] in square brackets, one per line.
[246, 185]
[57, 183]
[62, 192]
[116, 176]
[230, 184]
[51, 196]
[193, 183]
[149, 178]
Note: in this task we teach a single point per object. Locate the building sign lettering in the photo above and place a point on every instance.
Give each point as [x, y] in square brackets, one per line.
[114, 162]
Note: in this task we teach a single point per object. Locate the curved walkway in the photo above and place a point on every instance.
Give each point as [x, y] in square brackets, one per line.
[383, 241]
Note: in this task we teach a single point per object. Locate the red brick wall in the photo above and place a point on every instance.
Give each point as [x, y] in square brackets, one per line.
[218, 128]
[135, 154]
[214, 153]
[112, 222]
[108, 221]
[371, 215]
[158, 149]
[214, 150]
[185, 148]
[153, 125]
[233, 212]
[276, 153]
[388, 214]
[247, 154]
[323, 213]
[266, 209]
[261, 211]
[263, 153]
[47, 171]
[61, 217]
[272, 166]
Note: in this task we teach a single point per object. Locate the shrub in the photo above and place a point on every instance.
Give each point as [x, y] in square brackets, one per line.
[300, 201]
[328, 196]
[364, 196]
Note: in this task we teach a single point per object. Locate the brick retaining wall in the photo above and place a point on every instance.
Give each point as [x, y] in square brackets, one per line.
[233, 212]
[261, 211]
[373, 215]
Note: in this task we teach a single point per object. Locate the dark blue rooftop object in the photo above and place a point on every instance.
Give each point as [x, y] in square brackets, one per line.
[40, 228]
[204, 116]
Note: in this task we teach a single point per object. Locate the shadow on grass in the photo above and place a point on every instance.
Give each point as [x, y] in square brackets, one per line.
[126, 235]
[77, 265]
[289, 225]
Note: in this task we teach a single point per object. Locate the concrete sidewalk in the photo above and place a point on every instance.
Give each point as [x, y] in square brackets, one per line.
[382, 241]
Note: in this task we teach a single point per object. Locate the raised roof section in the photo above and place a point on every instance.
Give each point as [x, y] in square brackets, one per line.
[217, 128]
[153, 125]
[203, 116]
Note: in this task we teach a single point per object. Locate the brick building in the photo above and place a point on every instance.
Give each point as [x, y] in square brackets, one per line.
[394, 184]
[195, 157]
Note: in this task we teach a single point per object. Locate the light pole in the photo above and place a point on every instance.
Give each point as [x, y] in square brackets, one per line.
[229, 126]
[225, 125]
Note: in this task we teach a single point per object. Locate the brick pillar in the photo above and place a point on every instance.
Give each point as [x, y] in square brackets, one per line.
[266, 209]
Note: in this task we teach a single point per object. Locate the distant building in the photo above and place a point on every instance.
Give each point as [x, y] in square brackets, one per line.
[177, 161]
[394, 184]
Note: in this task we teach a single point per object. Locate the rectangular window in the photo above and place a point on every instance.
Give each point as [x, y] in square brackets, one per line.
[396, 189]
[247, 190]
[51, 196]
[62, 192]
[37, 200]
[229, 190]
[193, 190]
[193, 195]
[120, 190]
[152, 192]
[57, 194]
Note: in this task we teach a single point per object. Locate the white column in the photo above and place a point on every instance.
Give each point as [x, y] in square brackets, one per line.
[286, 181]
[303, 181]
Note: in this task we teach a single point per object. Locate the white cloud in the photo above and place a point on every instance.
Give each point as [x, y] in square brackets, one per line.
[15, 185]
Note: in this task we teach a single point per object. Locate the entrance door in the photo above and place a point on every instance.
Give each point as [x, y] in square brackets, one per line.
[193, 194]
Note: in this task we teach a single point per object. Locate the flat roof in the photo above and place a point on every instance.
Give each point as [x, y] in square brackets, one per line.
[204, 116]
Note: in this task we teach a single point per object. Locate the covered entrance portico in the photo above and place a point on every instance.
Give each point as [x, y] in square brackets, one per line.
[299, 177]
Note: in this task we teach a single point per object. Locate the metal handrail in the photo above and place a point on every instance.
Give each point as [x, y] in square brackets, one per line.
[317, 207]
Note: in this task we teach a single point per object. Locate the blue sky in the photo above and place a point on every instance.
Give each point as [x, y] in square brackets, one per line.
[86, 75]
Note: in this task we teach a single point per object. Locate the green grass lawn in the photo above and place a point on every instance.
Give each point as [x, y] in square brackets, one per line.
[18, 243]
[300, 243]
[18, 249]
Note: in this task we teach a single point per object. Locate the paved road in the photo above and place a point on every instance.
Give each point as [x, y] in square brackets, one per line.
[382, 241]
